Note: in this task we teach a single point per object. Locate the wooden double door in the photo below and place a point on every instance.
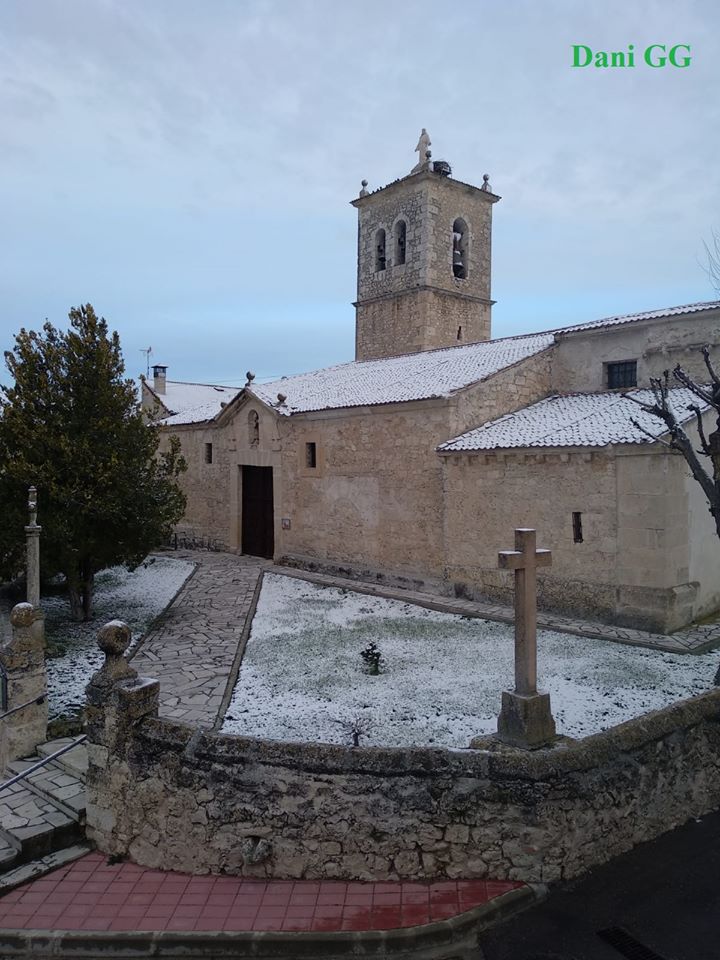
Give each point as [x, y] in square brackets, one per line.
[258, 512]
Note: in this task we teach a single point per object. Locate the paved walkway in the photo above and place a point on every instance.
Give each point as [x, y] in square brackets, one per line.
[698, 639]
[194, 649]
[90, 894]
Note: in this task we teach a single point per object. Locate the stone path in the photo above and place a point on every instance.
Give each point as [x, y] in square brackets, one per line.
[194, 649]
[697, 639]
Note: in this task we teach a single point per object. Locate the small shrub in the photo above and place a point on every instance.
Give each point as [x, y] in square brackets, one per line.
[373, 658]
[356, 727]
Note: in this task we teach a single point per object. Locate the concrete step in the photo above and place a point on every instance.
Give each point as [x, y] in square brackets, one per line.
[74, 761]
[45, 811]
[35, 826]
[8, 855]
[55, 783]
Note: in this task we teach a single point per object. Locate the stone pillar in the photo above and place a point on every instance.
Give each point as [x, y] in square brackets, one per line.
[117, 699]
[22, 659]
[32, 534]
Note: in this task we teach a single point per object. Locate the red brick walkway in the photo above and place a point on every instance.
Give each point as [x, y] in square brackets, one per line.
[89, 894]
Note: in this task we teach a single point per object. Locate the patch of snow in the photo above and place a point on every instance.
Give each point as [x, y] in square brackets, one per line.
[576, 420]
[415, 376]
[646, 315]
[302, 676]
[136, 598]
[193, 402]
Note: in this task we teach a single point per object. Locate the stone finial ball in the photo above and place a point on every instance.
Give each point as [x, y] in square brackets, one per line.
[114, 638]
[22, 615]
[364, 182]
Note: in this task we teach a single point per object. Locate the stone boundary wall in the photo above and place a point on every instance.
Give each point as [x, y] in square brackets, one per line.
[176, 798]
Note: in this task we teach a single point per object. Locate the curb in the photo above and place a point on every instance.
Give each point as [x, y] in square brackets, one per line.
[157, 620]
[433, 941]
[445, 604]
[26, 872]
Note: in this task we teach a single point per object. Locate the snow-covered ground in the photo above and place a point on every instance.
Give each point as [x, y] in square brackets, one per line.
[136, 597]
[302, 677]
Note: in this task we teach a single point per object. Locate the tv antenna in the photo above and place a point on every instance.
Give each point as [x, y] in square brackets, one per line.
[147, 353]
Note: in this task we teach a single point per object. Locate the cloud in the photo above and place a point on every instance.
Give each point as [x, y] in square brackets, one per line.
[141, 143]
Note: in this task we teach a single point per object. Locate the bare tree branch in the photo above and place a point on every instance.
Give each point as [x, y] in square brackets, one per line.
[651, 435]
[701, 430]
[712, 252]
[688, 382]
[708, 363]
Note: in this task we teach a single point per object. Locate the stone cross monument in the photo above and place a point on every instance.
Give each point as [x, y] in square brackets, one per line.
[32, 534]
[525, 719]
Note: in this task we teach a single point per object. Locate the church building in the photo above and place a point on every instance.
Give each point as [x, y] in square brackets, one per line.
[413, 464]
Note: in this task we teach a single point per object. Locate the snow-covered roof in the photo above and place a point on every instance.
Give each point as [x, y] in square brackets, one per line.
[415, 376]
[575, 420]
[647, 315]
[192, 402]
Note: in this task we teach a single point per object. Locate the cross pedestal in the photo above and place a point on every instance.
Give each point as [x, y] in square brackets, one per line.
[525, 718]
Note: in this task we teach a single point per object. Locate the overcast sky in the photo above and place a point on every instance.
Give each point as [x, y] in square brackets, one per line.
[187, 166]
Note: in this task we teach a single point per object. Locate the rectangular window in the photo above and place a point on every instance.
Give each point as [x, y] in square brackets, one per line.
[577, 528]
[208, 453]
[623, 374]
[310, 455]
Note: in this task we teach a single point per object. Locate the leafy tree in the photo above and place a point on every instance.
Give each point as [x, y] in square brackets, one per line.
[70, 425]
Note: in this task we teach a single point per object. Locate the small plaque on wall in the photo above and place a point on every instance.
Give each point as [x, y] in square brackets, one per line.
[286, 523]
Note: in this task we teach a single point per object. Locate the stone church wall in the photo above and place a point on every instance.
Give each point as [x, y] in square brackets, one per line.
[580, 359]
[668, 549]
[373, 501]
[488, 495]
[213, 515]
[649, 551]
[511, 389]
[204, 484]
[175, 798]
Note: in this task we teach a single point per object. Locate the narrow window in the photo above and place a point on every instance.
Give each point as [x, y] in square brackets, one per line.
[622, 374]
[460, 249]
[208, 453]
[577, 528]
[253, 429]
[400, 237]
[380, 259]
[459, 334]
[310, 455]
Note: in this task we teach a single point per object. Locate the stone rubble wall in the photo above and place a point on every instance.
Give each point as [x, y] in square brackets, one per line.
[176, 798]
[22, 661]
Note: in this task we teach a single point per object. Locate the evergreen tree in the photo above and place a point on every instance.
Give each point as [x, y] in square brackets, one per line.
[70, 424]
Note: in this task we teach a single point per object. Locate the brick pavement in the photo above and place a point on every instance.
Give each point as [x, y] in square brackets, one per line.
[90, 894]
[193, 650]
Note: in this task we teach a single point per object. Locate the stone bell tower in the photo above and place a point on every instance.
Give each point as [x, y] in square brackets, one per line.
[423, 262]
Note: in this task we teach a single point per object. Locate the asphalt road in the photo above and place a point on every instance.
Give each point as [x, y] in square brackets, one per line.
[665, 894]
